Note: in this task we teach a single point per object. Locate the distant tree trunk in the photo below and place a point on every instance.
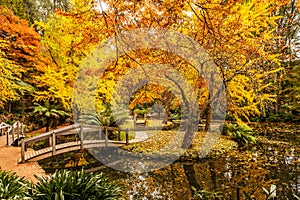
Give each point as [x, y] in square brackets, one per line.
[209, 108]
[9, 107]
[208, 116]
[48, 123]
[167, 113]
[188, 139]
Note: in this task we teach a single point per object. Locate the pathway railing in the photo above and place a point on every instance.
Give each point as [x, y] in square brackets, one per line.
[13, 132]
[3, 128]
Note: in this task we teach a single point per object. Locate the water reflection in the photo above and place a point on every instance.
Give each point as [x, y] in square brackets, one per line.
[238, 172]
[226, 176]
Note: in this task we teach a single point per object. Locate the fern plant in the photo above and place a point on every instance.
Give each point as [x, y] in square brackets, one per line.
[103, 117]
[49, 112]
[242, 134]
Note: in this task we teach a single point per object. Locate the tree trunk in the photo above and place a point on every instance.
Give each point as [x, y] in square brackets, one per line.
[167, 114]
[48, 123]
[9, 107]
[188, 139]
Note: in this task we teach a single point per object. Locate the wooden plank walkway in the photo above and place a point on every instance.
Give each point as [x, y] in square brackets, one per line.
[67, 147]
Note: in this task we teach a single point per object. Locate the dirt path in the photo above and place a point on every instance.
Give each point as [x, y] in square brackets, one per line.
[8, 161]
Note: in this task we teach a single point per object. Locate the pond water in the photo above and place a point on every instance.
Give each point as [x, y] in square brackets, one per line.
[256, 171]
[227, 176]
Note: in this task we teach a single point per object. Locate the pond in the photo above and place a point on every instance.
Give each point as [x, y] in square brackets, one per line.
[272, 165]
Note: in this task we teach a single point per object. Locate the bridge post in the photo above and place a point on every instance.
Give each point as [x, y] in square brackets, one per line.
[100, 133]
[134, 119]
[119, 135]
[7, 138]
[106, 137]
[53, 144]
[81, 136]
[13, 133]
[23, 152]
[50, 141]
[18, 131]
[22, 129]
[127, 137]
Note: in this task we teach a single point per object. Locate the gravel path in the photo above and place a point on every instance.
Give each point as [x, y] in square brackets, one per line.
[8, 162]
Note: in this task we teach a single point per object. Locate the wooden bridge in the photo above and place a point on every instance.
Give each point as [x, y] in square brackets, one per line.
[14, 133]
[87, 134]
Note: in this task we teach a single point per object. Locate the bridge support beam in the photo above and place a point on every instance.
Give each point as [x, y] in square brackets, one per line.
[18, 130]
[81, 136]
[13, 134]
[7, 139]
[23, 152]
[127, 137]
[106, 137]
[53, 144]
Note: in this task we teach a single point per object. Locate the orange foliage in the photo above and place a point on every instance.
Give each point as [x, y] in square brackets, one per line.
[19, 42]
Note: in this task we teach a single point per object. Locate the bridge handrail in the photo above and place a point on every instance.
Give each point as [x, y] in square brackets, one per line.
[50, 133]
[63, 131]
[11, 131]
[4, 125]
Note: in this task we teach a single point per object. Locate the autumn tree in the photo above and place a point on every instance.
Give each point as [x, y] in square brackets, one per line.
[238, 36]
[67, 39]
[18, 46]
[234, 33]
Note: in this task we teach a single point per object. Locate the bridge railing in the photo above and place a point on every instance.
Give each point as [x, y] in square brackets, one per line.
[13, 132]
[3, 128]
[79, 129]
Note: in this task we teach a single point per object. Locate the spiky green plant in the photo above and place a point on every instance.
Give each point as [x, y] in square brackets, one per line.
[207, 195]
[76, 185]
[242, 134]
[49, 112]
[104, 117]
[13, 187]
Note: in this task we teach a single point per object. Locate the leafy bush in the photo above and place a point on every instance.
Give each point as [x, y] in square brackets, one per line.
[207, 195]
[278, 117]
[140, 111]
[175, 116]
[76, 185]
[242, 134]
[13, 187]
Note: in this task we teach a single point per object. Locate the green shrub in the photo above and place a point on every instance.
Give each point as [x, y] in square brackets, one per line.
[77, 185]
[140, 111]
[242, 134]
[175, 116]
[206, 195]
[13, 187]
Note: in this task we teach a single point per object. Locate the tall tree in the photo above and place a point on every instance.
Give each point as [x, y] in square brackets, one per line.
[18, 46]
[67, 39]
